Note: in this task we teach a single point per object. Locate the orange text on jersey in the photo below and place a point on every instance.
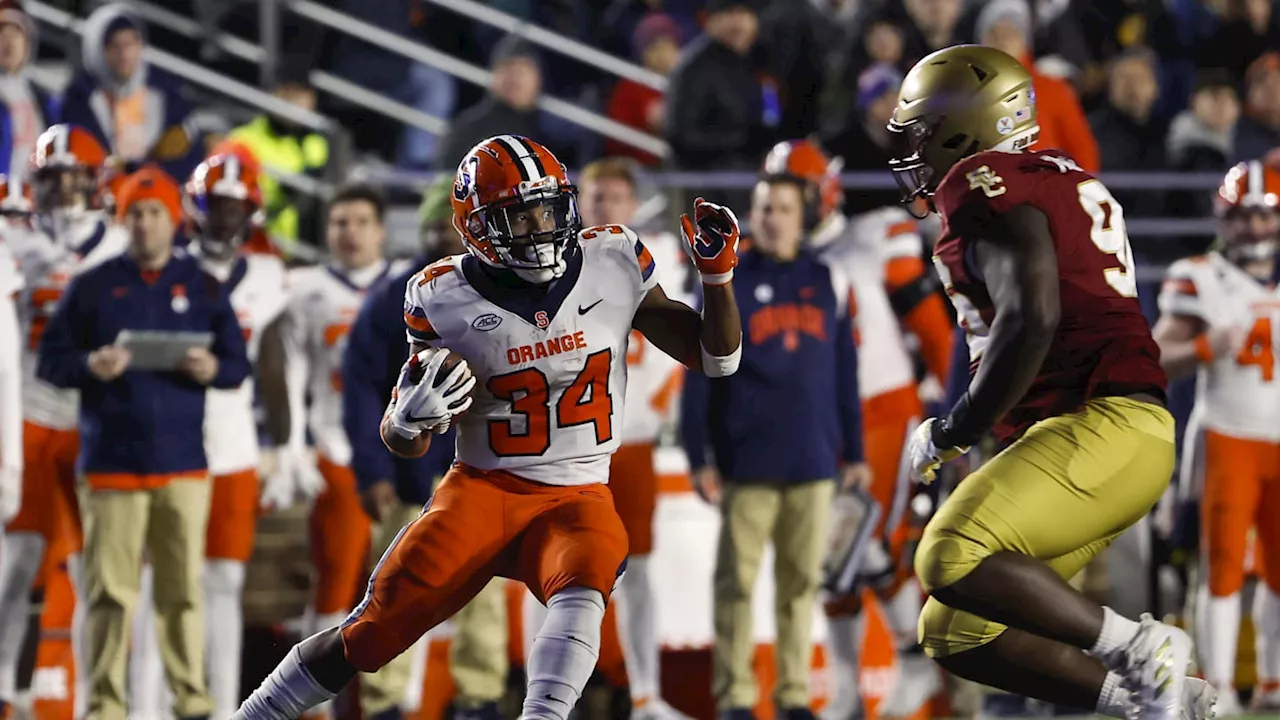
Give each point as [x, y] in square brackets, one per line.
[786, 318]
[546, 348]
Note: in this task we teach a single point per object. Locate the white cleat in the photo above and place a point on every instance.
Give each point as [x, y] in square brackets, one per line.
[1201, 701]
[917, 682]
[657, 709]
[1154, 668]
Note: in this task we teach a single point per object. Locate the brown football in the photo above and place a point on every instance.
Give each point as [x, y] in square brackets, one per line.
[450, 361]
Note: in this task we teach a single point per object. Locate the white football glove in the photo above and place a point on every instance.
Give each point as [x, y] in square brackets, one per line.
[10, 492]
[430, 404]
[926, 458]
[307, 479]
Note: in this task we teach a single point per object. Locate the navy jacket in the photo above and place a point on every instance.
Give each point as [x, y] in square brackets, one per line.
[48, 107]
[792, 412]
[142, 423]
[376, 350]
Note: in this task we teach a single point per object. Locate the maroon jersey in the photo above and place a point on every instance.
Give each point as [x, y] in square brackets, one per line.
[1103, 345]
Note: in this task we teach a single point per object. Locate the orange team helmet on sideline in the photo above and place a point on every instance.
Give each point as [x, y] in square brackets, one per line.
[1248, 208]
[16, 197]
[804, 160]
[515, 208]
[222, 175]
[67, 148]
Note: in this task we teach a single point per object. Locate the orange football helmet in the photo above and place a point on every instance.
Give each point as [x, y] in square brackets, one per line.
[67, 169]
[1248, 208]
[222, 202]
[803, 159]
[16, 197]
[515, 208]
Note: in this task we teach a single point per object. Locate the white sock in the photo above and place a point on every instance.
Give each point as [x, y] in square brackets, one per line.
[564, 654]
[79, 616]
[1113, 699]
[20, 560]
[533, 614]
[146, 669]
[902, 613]
[637, 629]
[1266, 623]
[1117, 633]
[287, 692]
[224, 633]
[844, 646]
[1217, 634]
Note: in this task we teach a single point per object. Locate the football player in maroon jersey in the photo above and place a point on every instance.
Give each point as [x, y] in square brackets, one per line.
[1034, 255]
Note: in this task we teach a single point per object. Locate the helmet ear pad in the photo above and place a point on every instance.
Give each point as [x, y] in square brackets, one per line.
[812, 206]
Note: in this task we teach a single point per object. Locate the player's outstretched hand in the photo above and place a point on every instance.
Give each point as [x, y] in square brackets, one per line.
[926, 457]
[431, 401]
[10, 491]
[711, 239]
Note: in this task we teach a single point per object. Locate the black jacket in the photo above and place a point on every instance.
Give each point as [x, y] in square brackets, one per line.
[717, 108]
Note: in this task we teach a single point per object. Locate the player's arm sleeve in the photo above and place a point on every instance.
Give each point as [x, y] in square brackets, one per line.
[958, 378]
[846, 380]
[695, 416]
[1178, 292]
[228, 346]
[10, 384]
[365, 383]
[418, 328]
[297, 370]
[67, 340]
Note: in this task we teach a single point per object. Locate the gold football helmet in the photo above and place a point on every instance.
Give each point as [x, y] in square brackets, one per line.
[956, 102]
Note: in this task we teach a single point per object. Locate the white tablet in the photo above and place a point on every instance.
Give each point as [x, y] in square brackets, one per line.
[158, 349]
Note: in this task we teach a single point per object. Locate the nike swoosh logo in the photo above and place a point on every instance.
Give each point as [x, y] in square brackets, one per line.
[587, 309]
[411, 418]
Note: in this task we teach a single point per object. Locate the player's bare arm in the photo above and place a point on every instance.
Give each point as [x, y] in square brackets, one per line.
[398, 444]
[429, 392]
[1186, 342]
[271, 378]
[678, 330]
[1017, 258]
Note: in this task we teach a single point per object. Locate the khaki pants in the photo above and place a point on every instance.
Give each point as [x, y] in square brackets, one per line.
[795, 518]
[477, 654]
[169, 525]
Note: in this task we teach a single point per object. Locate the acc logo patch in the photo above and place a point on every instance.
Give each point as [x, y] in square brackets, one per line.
[486, 322]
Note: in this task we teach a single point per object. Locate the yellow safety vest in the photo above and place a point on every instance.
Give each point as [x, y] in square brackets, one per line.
[284, 153]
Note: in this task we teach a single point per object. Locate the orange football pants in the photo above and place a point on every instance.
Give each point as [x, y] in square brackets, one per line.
[634, 484]
[49, 503]
[1241, 490]
[340, 536]
[233, 515]
[480, 525]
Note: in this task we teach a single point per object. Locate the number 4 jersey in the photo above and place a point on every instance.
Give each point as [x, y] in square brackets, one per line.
[1103, 345]
[1236, 394]
[551, 370]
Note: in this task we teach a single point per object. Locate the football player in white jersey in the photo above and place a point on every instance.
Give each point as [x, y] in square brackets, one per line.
[70, 235]
[541, 312]
[607, 196]
[323, 303]
[880, 251]
[1217, 314]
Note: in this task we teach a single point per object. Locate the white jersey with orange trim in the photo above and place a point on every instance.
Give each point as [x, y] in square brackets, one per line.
[551, 372]
[861, 247]
[11, 280]
[48, 267]
[323, 304]
[653, 377]
[258, 296]
[1237, 395]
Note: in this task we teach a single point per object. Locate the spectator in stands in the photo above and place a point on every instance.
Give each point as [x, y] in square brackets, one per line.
[1127, 128]
[25, 110]
[1202, 138]
[865, 142]
[1259, 131]
[797, 49]
[134, 109]
[620, 19]
[930, 25]
[142, 459]
[393, 490]
[779, 429]
[511, 108]
[283, 146]
[1249, 28]
[656, 44]
[1006, 25]
[723, 115]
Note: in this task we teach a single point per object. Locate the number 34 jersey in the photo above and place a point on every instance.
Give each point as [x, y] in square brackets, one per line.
[551, 371]
[1237, 393]
[1102, 345]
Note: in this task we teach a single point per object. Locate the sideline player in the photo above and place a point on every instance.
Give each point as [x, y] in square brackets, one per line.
[70, 235]
[1217, 315]
[549, 394]
[880, 252]
[1036, 261]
